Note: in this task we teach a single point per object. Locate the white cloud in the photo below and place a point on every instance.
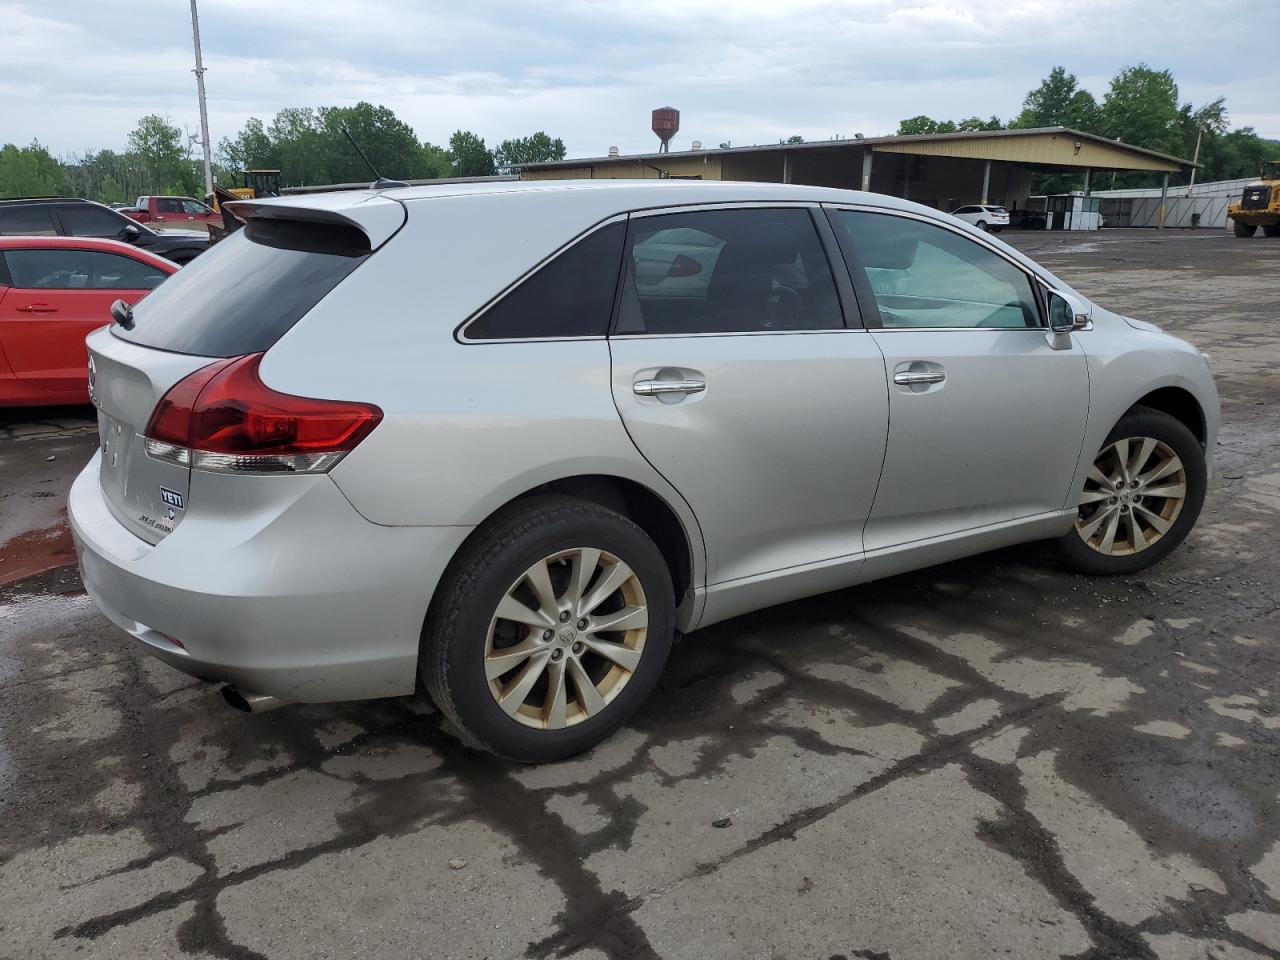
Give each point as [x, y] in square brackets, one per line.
[80, 73]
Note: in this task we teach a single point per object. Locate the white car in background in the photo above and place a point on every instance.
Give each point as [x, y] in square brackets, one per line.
[984, 216]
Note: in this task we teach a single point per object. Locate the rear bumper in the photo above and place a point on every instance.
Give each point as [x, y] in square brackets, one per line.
[308, 601]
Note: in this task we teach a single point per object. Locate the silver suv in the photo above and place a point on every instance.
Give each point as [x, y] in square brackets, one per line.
[505, 440]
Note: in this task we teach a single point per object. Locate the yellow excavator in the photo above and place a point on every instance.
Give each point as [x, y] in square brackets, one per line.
[256, 183]
[1259, 204]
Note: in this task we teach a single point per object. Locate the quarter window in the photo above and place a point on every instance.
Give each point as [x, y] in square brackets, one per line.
[924, 275]
[79, 270]
[570, 296]
[727, 271]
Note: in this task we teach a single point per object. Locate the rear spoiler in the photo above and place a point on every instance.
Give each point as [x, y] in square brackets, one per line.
[377, 216]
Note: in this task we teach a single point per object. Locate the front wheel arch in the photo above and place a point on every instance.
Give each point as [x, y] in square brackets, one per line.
[1178, 403]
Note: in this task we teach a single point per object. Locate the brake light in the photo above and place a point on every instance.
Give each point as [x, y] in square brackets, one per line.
[224, 418]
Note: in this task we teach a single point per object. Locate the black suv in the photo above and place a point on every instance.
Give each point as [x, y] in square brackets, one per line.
[69, 217]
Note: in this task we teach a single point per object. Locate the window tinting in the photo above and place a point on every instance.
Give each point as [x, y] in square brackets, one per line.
[86, 220]
[924, 275]
[247, 290]
[570, 296]
[79, 270]
[32, 221]
[727, 271]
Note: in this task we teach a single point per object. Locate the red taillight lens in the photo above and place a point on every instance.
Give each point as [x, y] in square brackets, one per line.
[223, 417]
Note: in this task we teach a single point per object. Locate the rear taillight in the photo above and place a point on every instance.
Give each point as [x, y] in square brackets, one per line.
[224, 418]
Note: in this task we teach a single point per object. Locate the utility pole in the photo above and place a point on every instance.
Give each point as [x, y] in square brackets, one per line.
[1195, 160]
[204, 110]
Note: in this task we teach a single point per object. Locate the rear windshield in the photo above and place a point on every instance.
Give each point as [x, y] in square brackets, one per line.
[247, 290]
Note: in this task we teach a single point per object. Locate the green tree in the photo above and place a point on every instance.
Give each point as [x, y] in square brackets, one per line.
[30, 172]
[977, 123]
[795, 138]
[436, 161]
[251, 148]
[1141, 108]
[390, 143]
[534, 148]
[299, 147]
[471, 158]
[922, 124]
[164, 153]
[1058, 102]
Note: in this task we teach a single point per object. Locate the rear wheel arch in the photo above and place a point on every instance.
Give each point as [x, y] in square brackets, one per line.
[633, 500]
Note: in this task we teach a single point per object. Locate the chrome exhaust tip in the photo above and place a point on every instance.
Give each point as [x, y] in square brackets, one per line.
[250, 702]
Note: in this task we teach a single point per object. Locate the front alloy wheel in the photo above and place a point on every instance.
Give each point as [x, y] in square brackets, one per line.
[566, 638]
[1132, 496]
[1141, 497]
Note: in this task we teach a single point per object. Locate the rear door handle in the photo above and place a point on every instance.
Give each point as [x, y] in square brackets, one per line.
[38, 308]
[907, 377]
[657, 388]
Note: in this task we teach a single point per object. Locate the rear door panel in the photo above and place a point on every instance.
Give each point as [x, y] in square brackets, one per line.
[44, 333]
[779, 456]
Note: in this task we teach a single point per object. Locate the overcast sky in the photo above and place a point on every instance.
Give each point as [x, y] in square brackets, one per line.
[77, 74]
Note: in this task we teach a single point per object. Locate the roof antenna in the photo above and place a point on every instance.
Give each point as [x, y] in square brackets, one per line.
[381, 183]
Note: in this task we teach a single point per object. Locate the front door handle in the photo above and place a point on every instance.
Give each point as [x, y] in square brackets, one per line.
[908, 377]
[657, 388]
[38, 308]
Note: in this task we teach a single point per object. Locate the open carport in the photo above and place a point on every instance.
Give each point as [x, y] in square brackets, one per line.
[943, 170]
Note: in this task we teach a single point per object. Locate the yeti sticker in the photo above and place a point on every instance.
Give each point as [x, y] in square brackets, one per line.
[172, 498]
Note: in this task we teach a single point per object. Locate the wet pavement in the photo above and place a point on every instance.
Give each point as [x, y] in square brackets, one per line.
[990, 758]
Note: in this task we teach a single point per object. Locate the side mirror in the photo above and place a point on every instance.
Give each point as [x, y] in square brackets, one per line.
[1067, 312]
[129, 233]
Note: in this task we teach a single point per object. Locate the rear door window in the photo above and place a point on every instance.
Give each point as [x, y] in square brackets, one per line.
[79, 270]
[569, 296]
[727, 271]
[247, 290]
[33, 221]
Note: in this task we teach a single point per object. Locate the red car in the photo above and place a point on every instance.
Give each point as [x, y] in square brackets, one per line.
[171, 211]
[53, 292]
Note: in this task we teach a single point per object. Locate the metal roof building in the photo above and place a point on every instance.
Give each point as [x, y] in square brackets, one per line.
[942, 170]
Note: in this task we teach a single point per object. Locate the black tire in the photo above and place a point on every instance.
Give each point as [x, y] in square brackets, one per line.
[451, 662]
[1244, 230]
[1271, 230]
[1145, 422]
[981, 225]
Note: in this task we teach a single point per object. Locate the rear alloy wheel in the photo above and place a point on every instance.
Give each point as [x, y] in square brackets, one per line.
[1244, 229]
[549, 631]
[982, 225]
[1141, 496]
[566, 638]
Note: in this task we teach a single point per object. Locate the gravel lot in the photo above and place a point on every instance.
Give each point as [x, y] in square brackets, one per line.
[991, 758]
